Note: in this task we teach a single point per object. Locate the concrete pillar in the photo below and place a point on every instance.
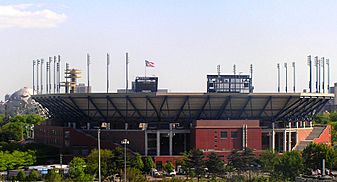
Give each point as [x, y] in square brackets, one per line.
[296, 124]
[158, 143]
[303, 124]
[296, 137]
[310, 123]
[146, 143]
[88, 126]
[185, 145]
[285, 140]
[170, 140]
[289, 137]
[273, 137]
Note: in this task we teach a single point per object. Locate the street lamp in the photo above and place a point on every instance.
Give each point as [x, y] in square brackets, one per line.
[99, 153]
[125, 142]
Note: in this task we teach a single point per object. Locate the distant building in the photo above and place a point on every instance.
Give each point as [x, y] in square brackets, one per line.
[229, 84]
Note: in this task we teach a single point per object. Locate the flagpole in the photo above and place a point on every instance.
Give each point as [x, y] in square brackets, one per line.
[145, 69]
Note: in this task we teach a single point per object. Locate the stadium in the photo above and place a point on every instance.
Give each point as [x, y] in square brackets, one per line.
[164, 125]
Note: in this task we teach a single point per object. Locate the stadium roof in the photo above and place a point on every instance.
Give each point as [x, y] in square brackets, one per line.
[182, 107]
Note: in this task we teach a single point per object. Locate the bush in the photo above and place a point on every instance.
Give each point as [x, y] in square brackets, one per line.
[34, 176]
[21, 176]
[52, 176]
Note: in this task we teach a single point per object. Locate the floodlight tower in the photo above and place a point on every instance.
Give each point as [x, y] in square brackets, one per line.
[310, 73]
[286, 69]
[278, 78]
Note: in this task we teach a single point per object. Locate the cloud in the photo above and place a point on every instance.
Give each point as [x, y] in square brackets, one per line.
[27, 16]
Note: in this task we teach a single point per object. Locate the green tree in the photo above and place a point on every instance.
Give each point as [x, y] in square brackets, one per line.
[215, 165]
[313, 155]
[194, 163]
[34, 176]
[52, 176]
[77, 170]
[34, 119]
[92, 162]
[21, 176]
[268, 160]
[134, 175]
[290, 166]
[16, 159]
[148, 164]
[12, 131]
[242, 160]
[116, 163]
[168, 167]
[137, 162]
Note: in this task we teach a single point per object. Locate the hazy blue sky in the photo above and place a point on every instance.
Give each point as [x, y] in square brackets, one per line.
[186, 39]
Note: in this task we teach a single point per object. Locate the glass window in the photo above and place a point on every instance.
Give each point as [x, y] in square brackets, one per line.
[234, 134]
[223, 134]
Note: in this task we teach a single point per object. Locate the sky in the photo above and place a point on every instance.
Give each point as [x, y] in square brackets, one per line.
[186, 40]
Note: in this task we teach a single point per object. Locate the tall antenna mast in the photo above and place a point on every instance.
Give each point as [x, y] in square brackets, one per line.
[310, 73]
[107, 72]
[218, 69]
[316, 64]
[33, 77]
[88, 72]
[278, 78]
[294, 88]
[328, 64]
[286, 69]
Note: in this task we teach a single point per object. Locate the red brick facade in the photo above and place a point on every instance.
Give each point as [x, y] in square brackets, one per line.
[222, 136]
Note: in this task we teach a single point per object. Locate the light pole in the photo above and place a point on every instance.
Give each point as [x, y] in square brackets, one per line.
[99, 153]
[125, 142]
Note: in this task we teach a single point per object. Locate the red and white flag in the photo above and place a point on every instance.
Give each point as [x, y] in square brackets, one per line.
[149, 63]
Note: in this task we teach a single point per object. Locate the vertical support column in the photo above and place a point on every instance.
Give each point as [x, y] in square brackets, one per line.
[88, 126]
[285, 140]
[296, 124]
[273, 137]
[310, 124]
[289, 137]
[158, 143]
[171, 139]
[303, 124]
[146, 143]
[296, 137]
[185, 145]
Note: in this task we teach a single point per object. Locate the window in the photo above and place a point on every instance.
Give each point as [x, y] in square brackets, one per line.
[223, 134]
[234, 134]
